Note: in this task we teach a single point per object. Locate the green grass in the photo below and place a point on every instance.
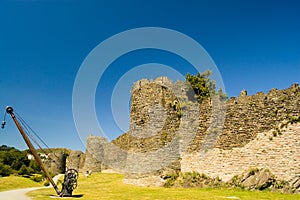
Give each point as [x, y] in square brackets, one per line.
[110, 186]
[16, 182]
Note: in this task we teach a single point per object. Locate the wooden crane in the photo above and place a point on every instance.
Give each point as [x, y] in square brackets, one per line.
[71, 175]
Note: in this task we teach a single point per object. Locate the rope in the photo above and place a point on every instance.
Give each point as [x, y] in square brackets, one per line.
[4, 118]
[28, 131]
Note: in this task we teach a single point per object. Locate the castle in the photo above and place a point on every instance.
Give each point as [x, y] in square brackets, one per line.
[169, 133]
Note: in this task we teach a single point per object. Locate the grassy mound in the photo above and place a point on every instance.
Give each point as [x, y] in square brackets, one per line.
[16, 182]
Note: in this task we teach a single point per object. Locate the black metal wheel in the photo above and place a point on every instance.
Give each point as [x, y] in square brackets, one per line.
[70, 180]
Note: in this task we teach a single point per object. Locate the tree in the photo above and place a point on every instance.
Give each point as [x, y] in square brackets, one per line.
[5, 170]
[23, 170]
[202, 86]
[35, 166]
[12, 160]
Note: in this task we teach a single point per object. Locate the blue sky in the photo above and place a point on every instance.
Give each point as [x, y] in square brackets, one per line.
[255, 45]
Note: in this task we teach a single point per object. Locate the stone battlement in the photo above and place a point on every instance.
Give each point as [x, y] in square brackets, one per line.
[227, 138]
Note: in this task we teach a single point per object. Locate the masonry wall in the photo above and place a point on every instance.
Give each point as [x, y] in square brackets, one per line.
[246, 116]
[229, 137]
[154, 118]
[75, 160]
[279, 154]
[93, 154]
[252, 137]
[55, 162]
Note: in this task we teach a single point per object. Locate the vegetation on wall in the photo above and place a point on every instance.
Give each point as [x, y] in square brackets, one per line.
[191, 179]
[254, 179]
[202, 86]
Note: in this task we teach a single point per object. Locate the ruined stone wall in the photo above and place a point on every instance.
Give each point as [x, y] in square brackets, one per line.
[149, 145]
[94, 153]
[247, 116]
[252, 137]
[229, 145]
[75, 160]
[55, 162]
[153, 120]
[279, 154]
[58, 160]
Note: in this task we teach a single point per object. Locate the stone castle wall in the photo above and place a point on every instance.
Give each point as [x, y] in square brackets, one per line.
[247, 116]
[75, 160]
[221, 146]
[58, 161]
[279, 154]
[55, 162]
[252, 137]
[153, 120]
[93, 154]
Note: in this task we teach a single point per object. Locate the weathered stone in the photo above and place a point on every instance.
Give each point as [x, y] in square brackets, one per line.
[251, 135]
[260, 180]
[55, 162]
[94, 152]
[75, 160]
[280, 155]
[295, 182]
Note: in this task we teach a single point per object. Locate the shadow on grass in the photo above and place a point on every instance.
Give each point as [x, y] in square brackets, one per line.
[67, 197]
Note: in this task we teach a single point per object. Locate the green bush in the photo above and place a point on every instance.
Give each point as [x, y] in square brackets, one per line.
[13, 161]
[23, 170]
[5, 170]
[46, 183]
[236, 182]
[279, 184]
[192, 179]
[202, 87]
[170, 180]
[35, 166]
[37, 178]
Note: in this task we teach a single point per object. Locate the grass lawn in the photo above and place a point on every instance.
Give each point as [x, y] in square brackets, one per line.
[110, 186]
[16, 182]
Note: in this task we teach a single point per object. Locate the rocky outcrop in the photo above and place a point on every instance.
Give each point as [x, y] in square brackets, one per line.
[260, 179]
[252, 179]
[295, 183]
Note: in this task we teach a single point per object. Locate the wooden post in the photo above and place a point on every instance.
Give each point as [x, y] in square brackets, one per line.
[10, 111]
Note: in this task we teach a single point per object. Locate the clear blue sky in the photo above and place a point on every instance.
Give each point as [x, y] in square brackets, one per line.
[255, 45]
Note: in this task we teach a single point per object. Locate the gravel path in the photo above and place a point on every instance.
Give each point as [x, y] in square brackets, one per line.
[20, 194]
